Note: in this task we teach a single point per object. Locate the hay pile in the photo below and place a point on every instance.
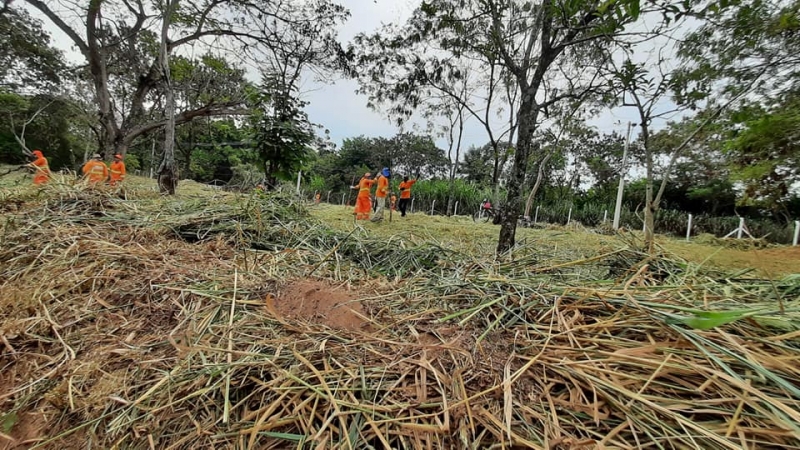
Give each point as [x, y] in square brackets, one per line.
[238, 322]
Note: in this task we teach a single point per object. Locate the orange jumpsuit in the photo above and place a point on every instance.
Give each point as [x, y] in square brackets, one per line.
[393, 202]
[363, 201]
[405, 196]
[117, 172]
[42, 174]
[95, 171]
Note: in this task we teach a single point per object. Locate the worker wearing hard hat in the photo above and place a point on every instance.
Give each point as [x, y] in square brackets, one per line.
[95, 170]
[380, 194]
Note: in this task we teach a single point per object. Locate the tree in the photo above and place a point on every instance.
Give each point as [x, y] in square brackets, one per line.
[752, 46]
[405, 69]
[38, 122]
[106, 25]
[542, 47]
[765, 153]
[27, 60]
[168, 170]
[283, 133]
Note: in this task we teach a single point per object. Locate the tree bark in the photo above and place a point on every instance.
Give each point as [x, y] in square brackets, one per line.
[527, 117]
[536, 185]
[167, 172]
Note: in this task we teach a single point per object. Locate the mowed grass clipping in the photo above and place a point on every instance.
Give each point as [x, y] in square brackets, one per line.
[222, 320]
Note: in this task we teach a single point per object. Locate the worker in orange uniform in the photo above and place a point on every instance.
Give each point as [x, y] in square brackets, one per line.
[380, 194]
[405, 195]
[41, 168]
[363, 201]
[95, 170]
[117, 171]
[393, 202]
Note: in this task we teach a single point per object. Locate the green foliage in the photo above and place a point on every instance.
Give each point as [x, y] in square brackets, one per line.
[26, 57]
[765, 153]
[52, 130]
[282, 131]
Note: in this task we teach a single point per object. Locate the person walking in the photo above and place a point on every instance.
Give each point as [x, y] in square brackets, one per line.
[380, 194]
[95, 170]
[117, 171]
[41, 168]
[405, 195]
[363, 200]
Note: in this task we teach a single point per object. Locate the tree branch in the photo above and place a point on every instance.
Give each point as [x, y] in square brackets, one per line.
[231, 109]
[61, 25]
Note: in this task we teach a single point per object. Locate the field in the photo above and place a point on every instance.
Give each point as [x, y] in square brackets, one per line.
[221, 320]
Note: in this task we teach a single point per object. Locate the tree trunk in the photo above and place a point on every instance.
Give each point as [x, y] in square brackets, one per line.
[650, 205]
[536, 185]
[527, 116]
[167, 172]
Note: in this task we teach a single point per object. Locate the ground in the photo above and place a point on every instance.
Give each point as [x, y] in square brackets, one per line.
[481, 238]
[214, 319]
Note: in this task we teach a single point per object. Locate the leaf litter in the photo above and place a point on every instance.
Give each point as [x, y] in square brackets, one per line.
[238, 321]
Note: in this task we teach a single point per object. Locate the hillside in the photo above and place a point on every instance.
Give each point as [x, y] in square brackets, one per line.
[223, 320]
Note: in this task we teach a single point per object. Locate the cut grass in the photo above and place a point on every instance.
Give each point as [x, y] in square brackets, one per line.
[140, 321]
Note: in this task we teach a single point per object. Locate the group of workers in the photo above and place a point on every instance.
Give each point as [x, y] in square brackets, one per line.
[364, 198]
[94, 171]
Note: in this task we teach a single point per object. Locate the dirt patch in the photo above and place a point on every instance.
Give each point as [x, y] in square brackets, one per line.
[319, 302]
[28, 429]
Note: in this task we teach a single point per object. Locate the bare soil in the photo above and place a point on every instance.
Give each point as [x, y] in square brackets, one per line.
[321, 303]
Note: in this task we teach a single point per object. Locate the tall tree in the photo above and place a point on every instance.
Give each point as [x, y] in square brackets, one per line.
[408, 68]
[547, 48]
[246, 28]
[168, 170]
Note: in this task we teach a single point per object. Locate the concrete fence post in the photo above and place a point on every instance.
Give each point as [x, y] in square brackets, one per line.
[689, 228]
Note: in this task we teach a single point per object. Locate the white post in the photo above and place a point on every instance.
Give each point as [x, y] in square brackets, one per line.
[796, 232]
[644, 226]
[536, 216]
[689, 228]
[605, 216]
[342, 198]
[569, 215]
[455, 209]
[328, 199]
[621, 188]
[299, 172]
[412, 205]
[432, 205]
[741, 228]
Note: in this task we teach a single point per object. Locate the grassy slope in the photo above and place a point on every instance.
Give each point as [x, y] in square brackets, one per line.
[462, 234]
[115, 332]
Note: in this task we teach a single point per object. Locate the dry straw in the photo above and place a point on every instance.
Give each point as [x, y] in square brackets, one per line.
[144, 322]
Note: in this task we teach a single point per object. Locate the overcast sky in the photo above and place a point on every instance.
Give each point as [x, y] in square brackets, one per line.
[339, 109]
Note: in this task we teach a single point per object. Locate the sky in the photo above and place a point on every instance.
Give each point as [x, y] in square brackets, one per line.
[336, 106]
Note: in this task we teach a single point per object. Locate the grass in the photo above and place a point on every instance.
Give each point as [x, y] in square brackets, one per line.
[465, 235]
[132, 320]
